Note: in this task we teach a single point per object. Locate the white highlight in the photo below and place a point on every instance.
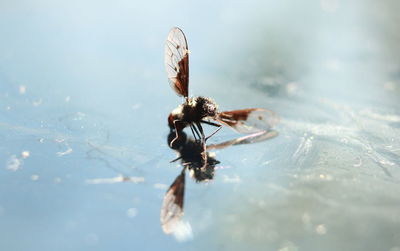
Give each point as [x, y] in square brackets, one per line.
[14, 163]
[114, 180]
[183, 231]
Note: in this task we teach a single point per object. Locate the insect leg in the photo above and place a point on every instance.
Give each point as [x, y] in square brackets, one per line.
[179, 125]
[209, 136]
[201, 131]
[203, 142]
[212, 124]
[194, 129]
[194, 135]
[178, 158]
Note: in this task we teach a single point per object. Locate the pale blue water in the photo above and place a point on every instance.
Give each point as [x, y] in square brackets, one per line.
[84, 99]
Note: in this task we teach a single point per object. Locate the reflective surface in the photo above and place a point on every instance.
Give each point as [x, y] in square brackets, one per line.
[83, 125]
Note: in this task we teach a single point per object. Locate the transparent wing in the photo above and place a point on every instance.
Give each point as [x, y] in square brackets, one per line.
[172, 207]
[248, 139]
[177, 61]
[249, 120]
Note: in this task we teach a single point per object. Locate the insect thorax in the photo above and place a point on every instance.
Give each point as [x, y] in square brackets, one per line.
[201, 107]
[207, 106]
[196, 109]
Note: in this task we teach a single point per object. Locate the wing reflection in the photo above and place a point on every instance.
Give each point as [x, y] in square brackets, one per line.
[201, 166]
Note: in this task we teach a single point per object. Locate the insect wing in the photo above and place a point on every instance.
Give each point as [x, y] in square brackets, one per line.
[248, 139]
[177, 61]
[249, 120]
[172, 207]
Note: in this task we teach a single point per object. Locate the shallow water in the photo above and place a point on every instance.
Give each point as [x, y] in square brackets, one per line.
[83, 121]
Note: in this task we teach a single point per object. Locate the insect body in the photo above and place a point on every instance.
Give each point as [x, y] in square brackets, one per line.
[200, 110]
[195, 110]
[192, 114]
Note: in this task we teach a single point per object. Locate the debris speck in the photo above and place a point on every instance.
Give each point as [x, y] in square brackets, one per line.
[22, 89]
[306, 219]
[79, 116]
[136, 106]
[37, 102]
[333, 65]
[14, 163]
[67, 99]
[34, 177]
[68, 151]
[234, 179]
[92, 239]
[160, 186]
[25, 154]
[329, 5]
[291, 88]
[117, 179]
[389, 86]
[288, 246]
[359, 162]
[132, 212]
[321, 229]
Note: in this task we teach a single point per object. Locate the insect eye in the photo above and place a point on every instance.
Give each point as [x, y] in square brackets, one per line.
[210, 108]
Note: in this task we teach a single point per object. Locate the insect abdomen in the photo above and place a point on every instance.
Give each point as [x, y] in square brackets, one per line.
[171, 119]
[176, 114]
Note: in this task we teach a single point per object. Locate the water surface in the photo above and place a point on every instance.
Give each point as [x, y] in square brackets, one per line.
[85, 99]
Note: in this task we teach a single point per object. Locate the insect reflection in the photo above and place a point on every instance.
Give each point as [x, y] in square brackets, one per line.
[201, 168]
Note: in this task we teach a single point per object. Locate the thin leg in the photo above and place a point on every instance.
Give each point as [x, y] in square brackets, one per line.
[201, 130]
[194, 135]
[178, 129]
[203, 142]
[219, 128]
[178, 158]
[210, 123]
[197, 132]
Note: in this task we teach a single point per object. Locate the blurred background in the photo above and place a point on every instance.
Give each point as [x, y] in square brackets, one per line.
[84, 100]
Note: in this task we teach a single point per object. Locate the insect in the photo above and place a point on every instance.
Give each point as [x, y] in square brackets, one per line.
[196, 111]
